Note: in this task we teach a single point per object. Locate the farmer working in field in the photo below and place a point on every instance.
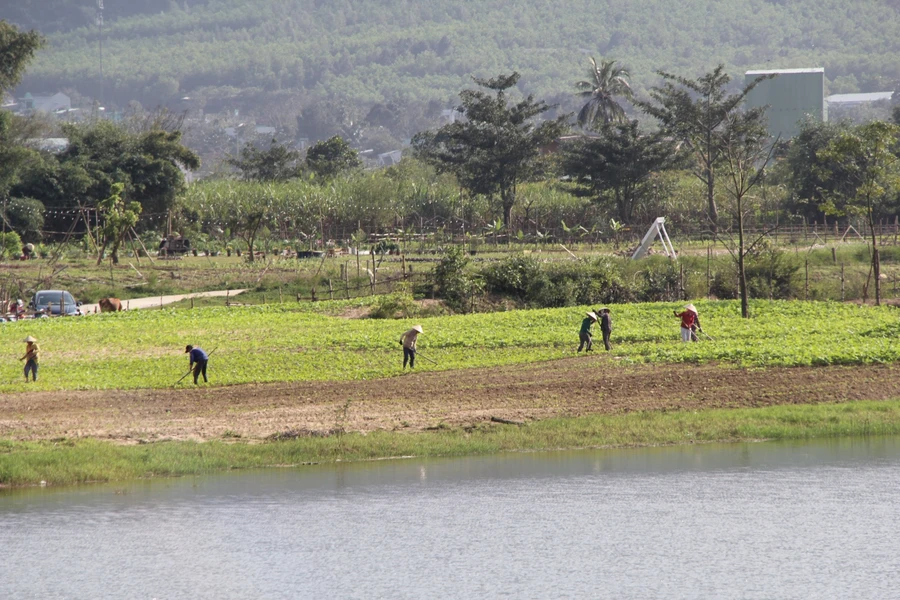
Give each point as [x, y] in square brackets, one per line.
[198, 359]
[585, 334]
[408, 341]
[689, 320]
[605, 326]
[31, 358]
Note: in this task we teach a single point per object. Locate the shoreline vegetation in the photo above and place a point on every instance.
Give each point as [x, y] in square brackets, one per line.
[80, 461]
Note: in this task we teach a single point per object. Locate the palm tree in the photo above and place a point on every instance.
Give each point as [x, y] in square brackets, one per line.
[607, 82]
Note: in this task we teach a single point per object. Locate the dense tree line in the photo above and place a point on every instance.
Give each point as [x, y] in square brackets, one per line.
[231, 54]
[502, 170]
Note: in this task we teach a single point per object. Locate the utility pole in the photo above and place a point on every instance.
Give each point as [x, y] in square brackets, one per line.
[100, 38]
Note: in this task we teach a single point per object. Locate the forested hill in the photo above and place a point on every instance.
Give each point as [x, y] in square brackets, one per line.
[414, 51]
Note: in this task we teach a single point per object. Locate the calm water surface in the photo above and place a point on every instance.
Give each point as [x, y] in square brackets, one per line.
[788, 520]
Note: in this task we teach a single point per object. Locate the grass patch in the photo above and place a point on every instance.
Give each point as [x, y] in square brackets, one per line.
[66, 462]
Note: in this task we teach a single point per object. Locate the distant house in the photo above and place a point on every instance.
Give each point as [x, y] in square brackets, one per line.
[43, 103]
[790, 97]
[388, 159]
[858, 99]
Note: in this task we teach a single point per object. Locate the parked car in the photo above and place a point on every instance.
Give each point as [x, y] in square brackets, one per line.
[174, 245]
[55, 302]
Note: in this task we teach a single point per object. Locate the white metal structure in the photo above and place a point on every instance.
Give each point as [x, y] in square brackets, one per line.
[658, 228]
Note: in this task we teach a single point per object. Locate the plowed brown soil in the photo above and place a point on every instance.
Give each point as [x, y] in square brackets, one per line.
[415, 401]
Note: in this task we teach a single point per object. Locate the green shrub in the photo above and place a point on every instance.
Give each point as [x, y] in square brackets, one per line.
[399, 305]
[455, 284]
[661, 283]
[10, 245]
[513, 276]
[771, 273]
[550, 285]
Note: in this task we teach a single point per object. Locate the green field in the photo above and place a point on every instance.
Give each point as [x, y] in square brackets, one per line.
[296, 342]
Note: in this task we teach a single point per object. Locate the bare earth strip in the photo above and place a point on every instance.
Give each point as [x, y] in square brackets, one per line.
[570, 387]
[158, 301]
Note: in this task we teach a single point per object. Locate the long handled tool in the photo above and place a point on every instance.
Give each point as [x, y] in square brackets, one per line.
[191, 370]
[425, 357]
[707, 335]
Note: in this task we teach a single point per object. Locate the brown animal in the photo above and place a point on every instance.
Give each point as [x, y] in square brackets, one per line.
[110, 305]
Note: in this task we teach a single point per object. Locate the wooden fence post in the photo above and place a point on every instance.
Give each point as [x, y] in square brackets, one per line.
[708, 274]
[806, 288]
[842, 282]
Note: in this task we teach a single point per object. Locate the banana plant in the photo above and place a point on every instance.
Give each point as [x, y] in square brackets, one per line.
[495, 229]
[617, 227]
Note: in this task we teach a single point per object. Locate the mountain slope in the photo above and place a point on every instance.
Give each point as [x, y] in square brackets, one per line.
[368, 51]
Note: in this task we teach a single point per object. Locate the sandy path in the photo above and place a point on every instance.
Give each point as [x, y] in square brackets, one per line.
[569, 387]
[157, 301]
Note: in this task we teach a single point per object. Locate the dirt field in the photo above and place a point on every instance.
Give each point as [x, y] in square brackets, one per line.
[412, 402]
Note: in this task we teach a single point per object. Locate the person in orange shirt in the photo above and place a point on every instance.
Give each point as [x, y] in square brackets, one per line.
[689, 319]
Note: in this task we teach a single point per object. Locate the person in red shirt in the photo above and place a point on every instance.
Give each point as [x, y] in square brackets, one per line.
[689, 319]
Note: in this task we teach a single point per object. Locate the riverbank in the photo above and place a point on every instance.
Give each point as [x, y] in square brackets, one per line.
[105, 435]
[67, 462]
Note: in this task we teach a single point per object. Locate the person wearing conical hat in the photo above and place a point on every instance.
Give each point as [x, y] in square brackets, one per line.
[584, 335]
[408, 341]
[689, 320]
[31, 358]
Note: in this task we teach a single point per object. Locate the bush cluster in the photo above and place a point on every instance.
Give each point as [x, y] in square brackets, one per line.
[530, 282]
[538, 284]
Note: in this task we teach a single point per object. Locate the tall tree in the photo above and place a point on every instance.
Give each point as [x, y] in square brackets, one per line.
[149, 164]
[809, 176]
[617, 164]
[607, 82]
[330, 158]
[118, 217]
[16, 50]
[496, 146]
[277, 163]
[745, 150]
[868, 159]
[696, 112]
[246, 211]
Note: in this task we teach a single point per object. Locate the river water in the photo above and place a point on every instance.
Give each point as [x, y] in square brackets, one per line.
[767, 520]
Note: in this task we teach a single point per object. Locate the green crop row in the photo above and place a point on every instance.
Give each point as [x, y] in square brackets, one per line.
[299, 342]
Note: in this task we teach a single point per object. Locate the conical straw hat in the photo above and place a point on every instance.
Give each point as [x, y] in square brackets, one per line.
[417, 328]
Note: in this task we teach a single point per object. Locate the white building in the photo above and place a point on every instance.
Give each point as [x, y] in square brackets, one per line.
[45, 103]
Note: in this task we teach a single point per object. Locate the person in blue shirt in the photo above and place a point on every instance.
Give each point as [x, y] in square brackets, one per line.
[199, 358]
